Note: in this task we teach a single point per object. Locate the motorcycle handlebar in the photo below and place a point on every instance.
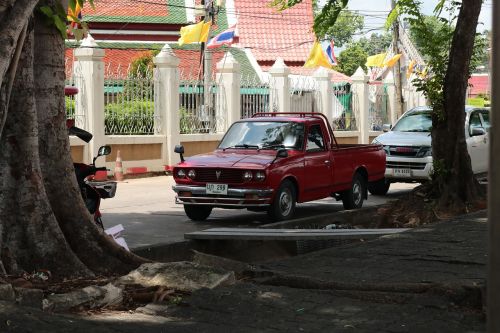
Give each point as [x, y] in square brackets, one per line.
[101, 169]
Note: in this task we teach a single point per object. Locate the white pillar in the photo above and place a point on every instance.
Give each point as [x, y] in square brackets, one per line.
[391, 94]
[167, 103]
[360, 91]
[89, 60]
[229, 95]
[325, 86]
[280, 87]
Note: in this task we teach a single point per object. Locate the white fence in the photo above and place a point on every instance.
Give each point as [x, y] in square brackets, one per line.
[157, 110]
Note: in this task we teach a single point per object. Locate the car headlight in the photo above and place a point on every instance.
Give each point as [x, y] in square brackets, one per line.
[181, 173]
[260, 176]
[247, 176]
[192, 174]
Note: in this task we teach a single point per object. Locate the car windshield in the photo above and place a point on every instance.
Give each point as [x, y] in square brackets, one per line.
[415, 122]
[264, 135]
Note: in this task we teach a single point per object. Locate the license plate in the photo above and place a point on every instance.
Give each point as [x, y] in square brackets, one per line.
[402, 172]
[216, 189]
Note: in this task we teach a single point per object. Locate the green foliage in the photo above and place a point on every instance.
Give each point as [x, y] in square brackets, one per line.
[134, 117]
[375, 44]
[348, 23]
[326, 18]
[143, 65]
[55, 16]
[350, 59]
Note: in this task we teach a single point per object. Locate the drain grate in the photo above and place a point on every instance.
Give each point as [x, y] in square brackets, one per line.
[306, 246]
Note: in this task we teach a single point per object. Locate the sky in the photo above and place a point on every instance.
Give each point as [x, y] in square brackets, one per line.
[376, 11]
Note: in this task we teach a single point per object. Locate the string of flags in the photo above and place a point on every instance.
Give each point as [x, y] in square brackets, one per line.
[379, 60]
[321, 57]
[199, 32]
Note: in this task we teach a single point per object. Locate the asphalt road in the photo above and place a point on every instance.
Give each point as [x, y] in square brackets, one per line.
[146, 208]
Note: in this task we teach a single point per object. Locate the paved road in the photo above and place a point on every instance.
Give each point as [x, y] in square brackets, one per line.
[147, 210]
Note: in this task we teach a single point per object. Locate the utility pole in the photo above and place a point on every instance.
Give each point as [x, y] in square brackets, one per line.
[397, 68]
[207, 65]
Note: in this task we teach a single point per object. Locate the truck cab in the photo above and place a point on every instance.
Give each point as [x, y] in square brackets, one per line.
[409, 150]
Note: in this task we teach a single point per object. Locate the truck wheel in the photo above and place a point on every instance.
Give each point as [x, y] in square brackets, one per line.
[380, 187]
[354, 197]
[283, 206]
[197, 213]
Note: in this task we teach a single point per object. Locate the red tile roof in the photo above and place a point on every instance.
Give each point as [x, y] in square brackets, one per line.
[479, 84]
[127, 8]
[271, 34]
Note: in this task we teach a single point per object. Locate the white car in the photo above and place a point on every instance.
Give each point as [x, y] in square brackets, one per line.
[408, 146]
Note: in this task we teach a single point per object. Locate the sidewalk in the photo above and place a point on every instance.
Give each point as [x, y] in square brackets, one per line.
[430, 279]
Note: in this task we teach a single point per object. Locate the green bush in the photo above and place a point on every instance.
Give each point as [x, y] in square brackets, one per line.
[134, 117]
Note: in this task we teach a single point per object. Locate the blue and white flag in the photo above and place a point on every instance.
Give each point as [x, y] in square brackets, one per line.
[224, 38]
[330, 55]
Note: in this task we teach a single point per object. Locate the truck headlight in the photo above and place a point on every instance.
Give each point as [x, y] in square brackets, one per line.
[425, 152]
[247, 176]
[260, 176]
[181, 173]
[192, 174]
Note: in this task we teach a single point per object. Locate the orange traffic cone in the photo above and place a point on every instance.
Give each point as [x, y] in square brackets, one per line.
[118, 167]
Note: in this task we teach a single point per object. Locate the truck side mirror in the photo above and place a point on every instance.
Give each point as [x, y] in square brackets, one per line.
[476, 131]
[386, 127]
[179, 149]
[282, 152]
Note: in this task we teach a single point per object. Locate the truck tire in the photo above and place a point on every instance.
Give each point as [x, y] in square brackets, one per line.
[197, 213]
[283, 206]
[380, 187]
[354, 197]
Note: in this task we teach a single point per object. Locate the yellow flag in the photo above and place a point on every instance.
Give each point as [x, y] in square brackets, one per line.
[376, 60]
[317, 57]
[409, 71]
[195, 33]
[391, 62]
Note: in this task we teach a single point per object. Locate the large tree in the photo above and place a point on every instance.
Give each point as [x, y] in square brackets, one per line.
[44, 223]
[454, 186]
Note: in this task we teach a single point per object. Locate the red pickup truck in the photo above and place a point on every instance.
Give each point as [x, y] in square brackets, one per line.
[272, 161]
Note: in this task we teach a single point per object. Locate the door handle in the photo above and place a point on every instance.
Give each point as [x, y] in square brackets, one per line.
[327, 162]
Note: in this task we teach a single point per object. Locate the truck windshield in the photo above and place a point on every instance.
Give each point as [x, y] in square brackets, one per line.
[415, 122]
[264, 135]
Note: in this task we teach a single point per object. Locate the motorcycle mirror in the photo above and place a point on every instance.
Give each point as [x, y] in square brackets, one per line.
[104, 150]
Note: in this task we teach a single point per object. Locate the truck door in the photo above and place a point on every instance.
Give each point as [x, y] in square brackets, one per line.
[477, 143]
[318, 164]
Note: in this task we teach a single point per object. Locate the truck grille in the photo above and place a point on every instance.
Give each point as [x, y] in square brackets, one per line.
[405, 165]
[403, 151]
[227, 176]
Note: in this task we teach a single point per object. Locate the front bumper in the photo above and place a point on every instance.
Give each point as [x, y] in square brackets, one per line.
[407, 169]
[235, 198]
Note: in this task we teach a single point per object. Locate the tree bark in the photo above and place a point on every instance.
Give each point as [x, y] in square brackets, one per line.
[30, 232]
[44, 223]
[454, 179]
[13, 17]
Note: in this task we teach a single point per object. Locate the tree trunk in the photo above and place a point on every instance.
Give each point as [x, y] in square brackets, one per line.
[453, 176]
[97, 250]
[44, 223]
[30, 232]
[13, 17]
